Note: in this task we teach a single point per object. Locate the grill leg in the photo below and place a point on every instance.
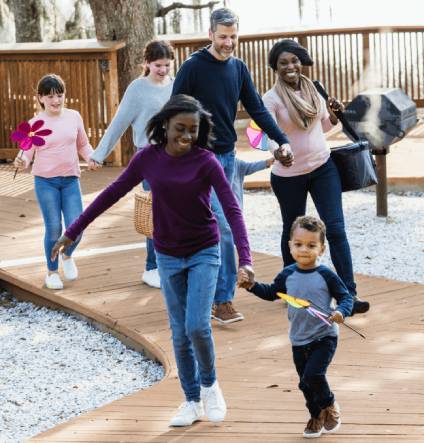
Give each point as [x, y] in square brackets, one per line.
[381, 187]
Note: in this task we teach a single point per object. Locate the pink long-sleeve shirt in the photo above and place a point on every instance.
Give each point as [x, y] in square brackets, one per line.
[309, 146]
[59, 156]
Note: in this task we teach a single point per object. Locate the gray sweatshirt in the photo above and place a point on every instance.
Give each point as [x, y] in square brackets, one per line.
[141, 101]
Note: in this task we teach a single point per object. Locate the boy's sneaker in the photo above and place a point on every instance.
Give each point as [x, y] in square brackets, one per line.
[214, 402]
[314, 427]
[225, 313]
[53, 281]
[70, 271]
[331, 416]
[360, 306]
[188, 413]
[151, 278]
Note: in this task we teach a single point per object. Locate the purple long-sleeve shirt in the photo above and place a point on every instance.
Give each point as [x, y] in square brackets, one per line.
[183, 222]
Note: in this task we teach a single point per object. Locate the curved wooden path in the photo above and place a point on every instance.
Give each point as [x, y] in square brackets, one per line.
[379, 381]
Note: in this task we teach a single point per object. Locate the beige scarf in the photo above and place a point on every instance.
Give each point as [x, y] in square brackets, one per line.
[303, 109]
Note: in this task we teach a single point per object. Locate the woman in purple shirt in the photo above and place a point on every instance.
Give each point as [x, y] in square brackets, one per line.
[182, 171]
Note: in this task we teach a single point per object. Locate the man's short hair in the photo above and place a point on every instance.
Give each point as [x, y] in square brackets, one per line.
[223, 16]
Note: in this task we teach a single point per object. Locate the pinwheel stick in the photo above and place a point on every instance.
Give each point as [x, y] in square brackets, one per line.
[21, 153]
[329, 313]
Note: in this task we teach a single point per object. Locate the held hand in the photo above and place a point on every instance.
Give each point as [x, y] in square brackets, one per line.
[270, 162]
[245, 277]
[93, 165]
[337, 317]
[60, 246]
[284, 155]
[19, 164]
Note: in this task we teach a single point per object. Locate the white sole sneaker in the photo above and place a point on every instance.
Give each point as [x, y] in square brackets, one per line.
[53, 281]
[214, 403]
[188, 413]
[70, 271]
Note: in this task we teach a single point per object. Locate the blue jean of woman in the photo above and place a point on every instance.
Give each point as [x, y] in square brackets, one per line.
[57, 196]
[324, 186]
[188, 285]
[151, 256]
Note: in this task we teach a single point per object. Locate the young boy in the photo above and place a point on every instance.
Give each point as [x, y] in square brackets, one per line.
[313, 342]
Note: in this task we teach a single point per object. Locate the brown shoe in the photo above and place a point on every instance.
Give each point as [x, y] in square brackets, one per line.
[314, 427]
[331, 416]
[225, 313]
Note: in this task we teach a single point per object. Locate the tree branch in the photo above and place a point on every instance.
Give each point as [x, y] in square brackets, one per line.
[162, 11]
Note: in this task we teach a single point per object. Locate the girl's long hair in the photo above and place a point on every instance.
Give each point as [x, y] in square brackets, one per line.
[178, 104]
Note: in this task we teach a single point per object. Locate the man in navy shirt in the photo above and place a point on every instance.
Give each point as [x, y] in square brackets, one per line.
[219, 81]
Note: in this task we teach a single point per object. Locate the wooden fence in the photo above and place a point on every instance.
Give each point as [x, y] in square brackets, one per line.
[89, 69]
[346, 61]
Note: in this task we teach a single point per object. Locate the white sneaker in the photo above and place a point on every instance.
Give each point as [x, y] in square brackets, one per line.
[151, 278]
[70, 271]
[53, 281]
[188, 413]
[214, 402]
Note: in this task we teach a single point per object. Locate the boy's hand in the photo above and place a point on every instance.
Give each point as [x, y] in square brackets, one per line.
[19, 163]
[93, 165]
[245, 277]
[337, 317]
[270, 162]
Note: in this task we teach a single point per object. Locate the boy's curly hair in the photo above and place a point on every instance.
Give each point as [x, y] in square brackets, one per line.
[312, 224]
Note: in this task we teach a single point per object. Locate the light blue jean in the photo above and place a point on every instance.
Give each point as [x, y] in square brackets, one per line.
[227, 277]
[57, 196]
[188, 284]
[151, 255]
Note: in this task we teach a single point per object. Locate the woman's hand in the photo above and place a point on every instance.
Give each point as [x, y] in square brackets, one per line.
[284, 155]
[19, 164]
[334, 105]
[60, 246]
[337, 317]
[93, 165]
[245, 277]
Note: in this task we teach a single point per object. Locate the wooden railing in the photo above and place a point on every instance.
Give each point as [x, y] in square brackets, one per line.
[89, 70]
[346, 61]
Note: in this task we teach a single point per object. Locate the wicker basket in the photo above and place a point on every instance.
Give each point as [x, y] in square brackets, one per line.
[143, 216]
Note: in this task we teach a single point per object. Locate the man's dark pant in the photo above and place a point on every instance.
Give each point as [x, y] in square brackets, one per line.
[312, 361]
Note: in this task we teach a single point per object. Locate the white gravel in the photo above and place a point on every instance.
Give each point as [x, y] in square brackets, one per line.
[391, 247]
[54, 367]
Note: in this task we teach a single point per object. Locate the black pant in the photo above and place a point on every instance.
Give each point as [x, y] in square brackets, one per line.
[312, 361]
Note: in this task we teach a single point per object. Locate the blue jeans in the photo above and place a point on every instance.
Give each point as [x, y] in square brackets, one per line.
[188, 284]
[227, 276]
[324, 186]
[312, 361]
[57, 196]
[151, 256]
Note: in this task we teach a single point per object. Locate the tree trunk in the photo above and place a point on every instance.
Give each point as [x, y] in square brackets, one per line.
[131, 21]
[28, 15]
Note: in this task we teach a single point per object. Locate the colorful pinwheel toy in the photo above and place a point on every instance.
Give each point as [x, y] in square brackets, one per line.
[257, 138]
[28, 135]
[312, 309]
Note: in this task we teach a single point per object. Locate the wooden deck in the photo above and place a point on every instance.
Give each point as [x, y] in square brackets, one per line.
[379, 381]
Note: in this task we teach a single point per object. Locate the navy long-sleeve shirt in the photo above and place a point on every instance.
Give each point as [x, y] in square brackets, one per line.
[320, 286]
[183, 222]
[219, 86]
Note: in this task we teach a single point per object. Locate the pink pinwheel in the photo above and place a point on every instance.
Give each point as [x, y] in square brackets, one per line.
[27, 135]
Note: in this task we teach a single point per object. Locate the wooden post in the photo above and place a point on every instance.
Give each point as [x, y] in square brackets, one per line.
[112, 102]
[381, 187]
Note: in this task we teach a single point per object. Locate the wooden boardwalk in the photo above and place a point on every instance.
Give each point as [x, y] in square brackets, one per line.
[379, 381]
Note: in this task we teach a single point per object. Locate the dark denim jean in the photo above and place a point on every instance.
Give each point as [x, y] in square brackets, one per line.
[324, 186]
[57, 196]
[151, 255]
[312, 361]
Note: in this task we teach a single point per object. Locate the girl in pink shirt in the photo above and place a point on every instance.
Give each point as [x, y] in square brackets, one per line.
[56, 172]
